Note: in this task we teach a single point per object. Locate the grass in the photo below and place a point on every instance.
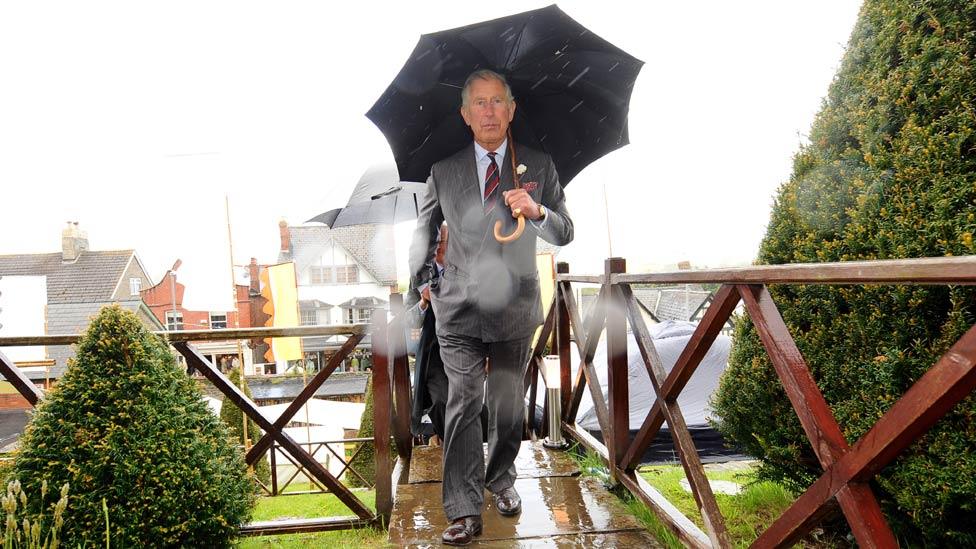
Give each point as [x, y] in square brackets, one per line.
[746, 514]
[313, 506]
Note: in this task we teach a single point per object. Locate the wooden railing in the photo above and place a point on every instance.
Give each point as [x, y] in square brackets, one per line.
[847, 468]
[274, 433]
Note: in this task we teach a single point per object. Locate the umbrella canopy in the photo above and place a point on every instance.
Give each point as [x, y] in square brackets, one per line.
[572, 90]
[378, 198]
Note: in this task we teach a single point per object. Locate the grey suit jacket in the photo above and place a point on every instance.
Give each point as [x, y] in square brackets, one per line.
[489, 290]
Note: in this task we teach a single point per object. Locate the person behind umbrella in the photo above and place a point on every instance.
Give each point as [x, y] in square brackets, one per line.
[487, 300]
[430, 383]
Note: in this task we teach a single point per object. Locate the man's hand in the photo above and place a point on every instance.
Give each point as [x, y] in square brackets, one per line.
[425, 297]
[519, 199]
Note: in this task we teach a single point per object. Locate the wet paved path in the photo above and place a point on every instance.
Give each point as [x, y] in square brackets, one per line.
[559, 507]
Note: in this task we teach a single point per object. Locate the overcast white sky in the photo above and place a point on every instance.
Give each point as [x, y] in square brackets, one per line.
[136, 119]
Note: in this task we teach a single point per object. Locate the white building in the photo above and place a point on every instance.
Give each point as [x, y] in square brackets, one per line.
[344, 274]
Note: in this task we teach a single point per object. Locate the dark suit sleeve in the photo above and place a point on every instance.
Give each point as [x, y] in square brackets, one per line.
[424, 241]
[558, 227]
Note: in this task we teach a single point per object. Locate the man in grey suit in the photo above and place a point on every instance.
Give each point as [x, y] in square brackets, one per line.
[487, 299]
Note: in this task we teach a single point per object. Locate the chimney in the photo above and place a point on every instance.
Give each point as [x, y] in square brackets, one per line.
[73, 242]
[253, 275]
[684, 265]
[285, 236]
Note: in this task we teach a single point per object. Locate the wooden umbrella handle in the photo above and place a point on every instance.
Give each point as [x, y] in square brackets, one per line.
[518, 229]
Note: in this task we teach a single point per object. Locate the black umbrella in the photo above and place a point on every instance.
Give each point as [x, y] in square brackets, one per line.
[378, 198]
[571, 86]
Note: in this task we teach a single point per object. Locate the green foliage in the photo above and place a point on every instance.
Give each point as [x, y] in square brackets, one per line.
[37, 530]
[233, 418]
[890, 172]
[365, 462]
[132, 434]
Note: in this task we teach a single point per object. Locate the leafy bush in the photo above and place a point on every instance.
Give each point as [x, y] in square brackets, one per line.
[365, 461]
[890, 172]
[131, 432]
[233, 417]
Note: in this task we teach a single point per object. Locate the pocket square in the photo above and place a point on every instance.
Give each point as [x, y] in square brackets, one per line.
[530, 186]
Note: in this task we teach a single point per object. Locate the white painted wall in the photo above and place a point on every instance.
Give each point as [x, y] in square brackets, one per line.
[336, 294]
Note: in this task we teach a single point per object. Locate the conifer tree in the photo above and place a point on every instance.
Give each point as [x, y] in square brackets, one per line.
[233, 417]
[890, 172]
[127, 427]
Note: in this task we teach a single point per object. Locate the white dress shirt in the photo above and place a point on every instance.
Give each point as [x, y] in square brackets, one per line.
[482, 161]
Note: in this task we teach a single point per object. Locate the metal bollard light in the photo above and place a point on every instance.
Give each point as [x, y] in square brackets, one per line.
[551, 375]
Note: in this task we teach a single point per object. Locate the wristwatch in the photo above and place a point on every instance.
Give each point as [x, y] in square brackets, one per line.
[542, 213]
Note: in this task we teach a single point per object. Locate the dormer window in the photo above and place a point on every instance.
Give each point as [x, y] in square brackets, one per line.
[135, 285]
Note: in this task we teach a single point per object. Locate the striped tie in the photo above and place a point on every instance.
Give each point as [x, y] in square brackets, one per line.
[491, 183]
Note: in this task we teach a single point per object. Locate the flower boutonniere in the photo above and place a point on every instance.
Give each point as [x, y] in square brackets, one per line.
[520, 169]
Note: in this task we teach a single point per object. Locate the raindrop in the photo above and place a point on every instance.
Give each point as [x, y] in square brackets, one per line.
[425, 54]
[567, 64]
[578, 76]
[543, 138]
[614, 66]
[541, 80]
[421, 107]
[576, 106]
[602, 119]
[506, 31]
[584, 32]
[557, 52]
[577, 154]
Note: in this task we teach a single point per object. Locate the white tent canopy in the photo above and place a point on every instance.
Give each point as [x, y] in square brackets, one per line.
[670, 338]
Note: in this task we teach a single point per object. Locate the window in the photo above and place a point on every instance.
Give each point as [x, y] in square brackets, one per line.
[218, 321]
[365, 314]
[174, 320]
[135, 284]
[347, 274]
[309, 317]
[350, 316]
[319, 275]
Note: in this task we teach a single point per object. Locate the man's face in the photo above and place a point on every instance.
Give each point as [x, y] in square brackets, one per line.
[441, 246]
[488, 112]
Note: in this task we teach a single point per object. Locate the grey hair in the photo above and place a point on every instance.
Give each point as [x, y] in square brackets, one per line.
[485, 74]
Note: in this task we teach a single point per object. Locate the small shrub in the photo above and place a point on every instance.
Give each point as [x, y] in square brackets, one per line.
[131, 433]
[233, 418]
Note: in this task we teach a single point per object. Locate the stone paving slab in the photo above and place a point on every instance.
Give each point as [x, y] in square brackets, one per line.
[562, 511]
[533, 461]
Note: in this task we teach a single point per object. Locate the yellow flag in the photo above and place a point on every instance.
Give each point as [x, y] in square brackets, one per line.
[278, 286]
[547, 285]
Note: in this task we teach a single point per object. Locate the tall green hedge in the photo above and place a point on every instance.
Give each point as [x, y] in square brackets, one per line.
[233, 418]
[890, 172]
[127, 426]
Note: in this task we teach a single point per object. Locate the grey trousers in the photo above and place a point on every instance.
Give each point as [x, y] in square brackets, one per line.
[465, 474]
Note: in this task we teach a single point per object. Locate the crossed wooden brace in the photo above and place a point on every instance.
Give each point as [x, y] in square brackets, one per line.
[274, 431]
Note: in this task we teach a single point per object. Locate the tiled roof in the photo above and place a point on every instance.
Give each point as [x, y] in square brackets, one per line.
[91, 278]
[371, 245]
[308, 304]
[369, 302]
[73, 318]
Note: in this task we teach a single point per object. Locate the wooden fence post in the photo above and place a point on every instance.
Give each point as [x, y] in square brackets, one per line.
[381, 417]
[619, 398]
[562, 340]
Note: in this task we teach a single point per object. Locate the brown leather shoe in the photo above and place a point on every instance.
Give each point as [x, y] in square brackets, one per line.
[462, 531]
[508, 502]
